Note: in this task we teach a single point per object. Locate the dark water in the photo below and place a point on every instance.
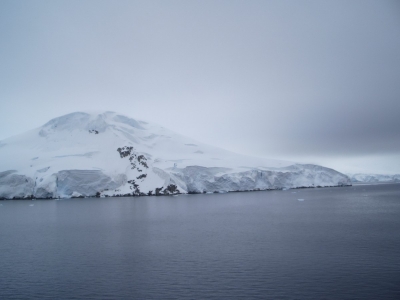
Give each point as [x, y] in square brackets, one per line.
[339, 243]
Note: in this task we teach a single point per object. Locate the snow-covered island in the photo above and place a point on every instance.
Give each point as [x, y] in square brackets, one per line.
[108, 154]
[374, 178]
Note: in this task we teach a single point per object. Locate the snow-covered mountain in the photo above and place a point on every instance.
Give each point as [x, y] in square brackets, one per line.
[371, 178]
[106, 154]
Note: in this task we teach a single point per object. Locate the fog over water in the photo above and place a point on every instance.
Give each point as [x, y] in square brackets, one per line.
[309, 81]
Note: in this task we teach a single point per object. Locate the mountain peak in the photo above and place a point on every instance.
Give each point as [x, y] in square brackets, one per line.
[95, 121]
[106, 153]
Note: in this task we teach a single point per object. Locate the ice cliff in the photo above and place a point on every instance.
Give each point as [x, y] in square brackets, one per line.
[108, 154]
[374, 178]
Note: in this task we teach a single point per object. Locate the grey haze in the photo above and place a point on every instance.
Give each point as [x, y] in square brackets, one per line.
[312, 81]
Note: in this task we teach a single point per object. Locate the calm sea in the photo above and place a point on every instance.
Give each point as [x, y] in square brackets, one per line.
[331, 243]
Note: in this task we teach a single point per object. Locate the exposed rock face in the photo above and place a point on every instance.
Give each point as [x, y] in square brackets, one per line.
[107, 154]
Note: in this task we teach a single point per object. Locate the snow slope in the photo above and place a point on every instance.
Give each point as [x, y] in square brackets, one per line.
[105, 154]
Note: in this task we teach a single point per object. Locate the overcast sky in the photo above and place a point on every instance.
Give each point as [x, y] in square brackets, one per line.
[310, 81]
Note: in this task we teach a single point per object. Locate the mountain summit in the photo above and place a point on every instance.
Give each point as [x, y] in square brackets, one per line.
[108, 154]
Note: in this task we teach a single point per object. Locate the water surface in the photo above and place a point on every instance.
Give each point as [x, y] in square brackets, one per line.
[331, 243]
